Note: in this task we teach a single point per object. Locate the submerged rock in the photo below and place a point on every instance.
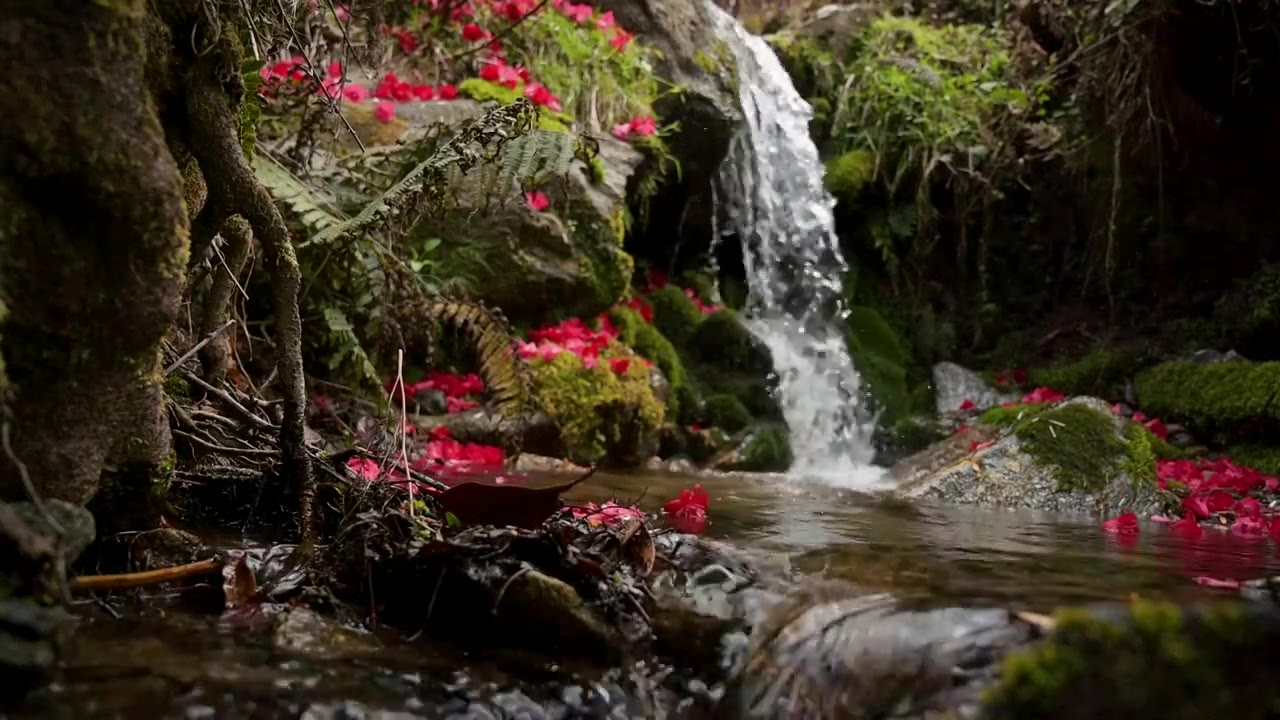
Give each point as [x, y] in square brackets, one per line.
[1074, 456]
[828, 651]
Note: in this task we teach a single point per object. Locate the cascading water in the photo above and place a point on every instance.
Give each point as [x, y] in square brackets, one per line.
[773, 197]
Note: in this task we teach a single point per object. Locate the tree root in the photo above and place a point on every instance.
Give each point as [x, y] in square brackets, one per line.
[215, 358]
[212, 124]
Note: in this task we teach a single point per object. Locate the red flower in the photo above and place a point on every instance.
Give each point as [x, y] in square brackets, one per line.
[605, 21]
[1020, 376]
[644, 126]
[424, 92]
[540, 95]
[355, 93]
[966, 405]
[384, 112]
[408, 42]
[1043, 395]
[620, 40]
[975, 446]
[491, 72]
[619, 365]
[688, 512]
[448, 92]
[472, 32]
[1158, 429]
[1125, 524]
[537, 200]
[1138, 417]
[1187, 527]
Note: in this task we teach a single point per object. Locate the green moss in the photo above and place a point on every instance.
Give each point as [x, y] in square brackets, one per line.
[1263, 458]
[1098, 374]
[1079, 442]
[721, 340]
[849, 174]
[675, 315]
[485, 91]
[177, 387]
[727, 413]
[1228, 402]
[1214, 660]
[882, 359]
[602, 415]
[645, 339]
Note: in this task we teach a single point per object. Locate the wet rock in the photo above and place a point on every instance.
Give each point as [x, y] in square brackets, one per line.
[1072, 457]
[826, 652]
[30, 640]
[305, 632]
[682, 466]
[953, 385]
[75, 531]
[530, 463]
[163, 547]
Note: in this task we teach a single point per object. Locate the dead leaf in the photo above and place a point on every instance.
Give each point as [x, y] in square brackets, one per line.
[478, 503]
[637, 546]
[239, 586]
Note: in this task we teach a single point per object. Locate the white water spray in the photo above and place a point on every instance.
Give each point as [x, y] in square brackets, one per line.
[772, 194]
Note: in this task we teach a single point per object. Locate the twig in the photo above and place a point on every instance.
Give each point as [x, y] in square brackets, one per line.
[1041, 622]
[471, 51]
[311, 70]
[525, 567]
[231, 403]
[224, 450]
[92, 583]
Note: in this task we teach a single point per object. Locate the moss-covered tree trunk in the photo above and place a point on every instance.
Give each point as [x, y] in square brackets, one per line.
[93, 244]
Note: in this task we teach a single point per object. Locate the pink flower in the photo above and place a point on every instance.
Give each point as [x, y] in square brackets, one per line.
[365, 468]
[355, 93]
[1225, 584]
[385, 112]
[605, 21]
[1158, 429]
[537, 200]
[644, 126]
[540, 95]
[620, 40]
[1187, 527]
[1043, 395]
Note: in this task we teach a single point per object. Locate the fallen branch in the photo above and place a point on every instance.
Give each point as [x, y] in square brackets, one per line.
[230, 402]
[196, 348]
[126, 581]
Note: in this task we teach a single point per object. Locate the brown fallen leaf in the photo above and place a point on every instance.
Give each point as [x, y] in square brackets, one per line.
[637, 546]
[239, 586]
[476, 503]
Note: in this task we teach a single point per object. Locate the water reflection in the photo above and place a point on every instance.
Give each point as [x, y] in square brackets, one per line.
[951, 554]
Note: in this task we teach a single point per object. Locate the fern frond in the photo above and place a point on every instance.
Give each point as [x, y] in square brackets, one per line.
[397, 209]
[315, 212]
[528, 161]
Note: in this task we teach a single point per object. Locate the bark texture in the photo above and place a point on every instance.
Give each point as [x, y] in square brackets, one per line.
[93, 243]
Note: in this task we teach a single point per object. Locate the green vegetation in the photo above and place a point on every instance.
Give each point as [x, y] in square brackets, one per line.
[1098, 374]
[720, 339]
[1225, 402]
[1191, 663]
[675, 315]
[767, 450]
[649, 343]
[727, 413]
[603, 416]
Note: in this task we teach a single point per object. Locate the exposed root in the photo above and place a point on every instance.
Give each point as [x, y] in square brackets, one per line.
[216, 355]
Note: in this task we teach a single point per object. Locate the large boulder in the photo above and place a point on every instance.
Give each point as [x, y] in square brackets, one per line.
[1074, 456]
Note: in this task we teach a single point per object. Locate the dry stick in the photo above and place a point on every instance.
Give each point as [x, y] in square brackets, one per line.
[231, 403]
[499, 36]
[404, 418]
[222, 449]
[331, 102]
[196, 348]
[92, 583]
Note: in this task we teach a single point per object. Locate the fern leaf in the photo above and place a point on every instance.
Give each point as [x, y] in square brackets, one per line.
[313, 211]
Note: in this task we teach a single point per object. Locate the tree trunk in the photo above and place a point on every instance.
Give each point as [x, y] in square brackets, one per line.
[93, 245]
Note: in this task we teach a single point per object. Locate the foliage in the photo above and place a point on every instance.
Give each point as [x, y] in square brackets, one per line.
[1098, 373]
[727, 413]
[675, 315]
[1079, 442]
[599, 85]
[1225, 401]
[602, 414]
[646, 340]
[720, 339]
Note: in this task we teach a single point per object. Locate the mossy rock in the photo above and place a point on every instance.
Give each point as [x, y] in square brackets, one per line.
[648, 342]
[882, 360]
[767, 449]
[603, 416]
[753, 390]
[675, 315]
[848, 175]
[1226, 402]
[727, 413]
[721, 340]
[1074, 456]
[1100, 373]
[1215, 660]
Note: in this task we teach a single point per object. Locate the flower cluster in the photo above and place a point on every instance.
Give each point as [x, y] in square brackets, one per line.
[442, 457]
[642, 126]
[456, 389]
[575, 337]
[606, 515]
[688, 512]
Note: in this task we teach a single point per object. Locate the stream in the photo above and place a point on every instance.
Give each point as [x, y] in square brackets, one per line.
[159, 658]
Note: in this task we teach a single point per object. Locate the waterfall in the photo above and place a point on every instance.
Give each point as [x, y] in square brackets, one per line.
[772, 195]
